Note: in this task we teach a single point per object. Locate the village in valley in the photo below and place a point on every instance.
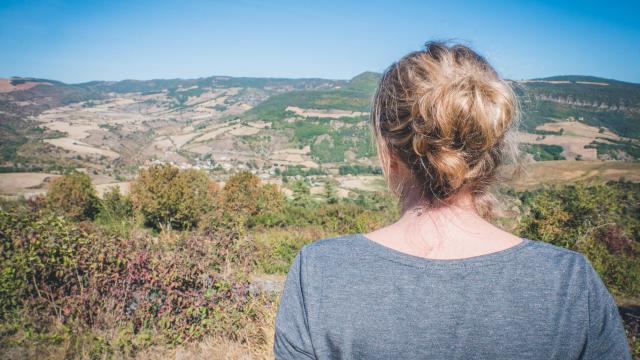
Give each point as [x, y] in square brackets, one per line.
[276, 128]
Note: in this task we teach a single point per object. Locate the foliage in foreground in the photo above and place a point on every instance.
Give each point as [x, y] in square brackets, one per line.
[166, 196]
[73, 195]
[62, 280]
[600, 220]
[94, 292]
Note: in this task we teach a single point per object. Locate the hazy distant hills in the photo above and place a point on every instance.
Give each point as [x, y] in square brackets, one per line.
[599, 102]
[606, 102]
[234, 122]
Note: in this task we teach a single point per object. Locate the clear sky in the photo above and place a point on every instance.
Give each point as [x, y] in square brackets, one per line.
[75, 41]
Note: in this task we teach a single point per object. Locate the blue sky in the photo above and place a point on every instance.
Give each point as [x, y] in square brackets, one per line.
[75, 41]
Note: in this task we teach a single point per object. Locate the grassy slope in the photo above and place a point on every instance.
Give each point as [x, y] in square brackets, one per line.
[617, 104]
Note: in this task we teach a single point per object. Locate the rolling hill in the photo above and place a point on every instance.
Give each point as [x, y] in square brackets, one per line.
[274, 126]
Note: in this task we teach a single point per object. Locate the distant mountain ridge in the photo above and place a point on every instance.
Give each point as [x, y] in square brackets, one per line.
[588, 88]
[571, 95]
[585, 78]
[322, 114]
[364, 80]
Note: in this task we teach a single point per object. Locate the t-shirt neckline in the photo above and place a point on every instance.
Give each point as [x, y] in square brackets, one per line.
[417, 261]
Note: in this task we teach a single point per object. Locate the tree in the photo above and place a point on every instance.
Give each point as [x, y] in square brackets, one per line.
[244, 194]
[331, 191]
[74, 196]
[301, 193]
[270, 198]
[115, 206]
[240, 193]
[166, 196]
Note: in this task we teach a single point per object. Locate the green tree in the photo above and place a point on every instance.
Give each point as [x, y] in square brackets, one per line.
[301, 193]
[599, 220]
[115, 205]
[270, 198]
[166, 196]
[244, 194]
[240, 194]
[331, 191]
[74, 196]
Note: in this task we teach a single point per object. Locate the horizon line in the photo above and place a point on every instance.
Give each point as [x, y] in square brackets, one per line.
[288, 78]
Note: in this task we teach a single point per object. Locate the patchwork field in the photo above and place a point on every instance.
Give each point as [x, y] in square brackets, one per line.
[575, 136]
[568, 171]
[331, 113]
[31, 184]
[279, 128]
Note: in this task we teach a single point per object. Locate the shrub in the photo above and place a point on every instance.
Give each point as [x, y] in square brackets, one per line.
[302, 194]
[331, 191]
[244, 195]
[64, 280]
[116, 212]
[37, 248]
[599, 220]
[115, 206]
[73, 195]
[270, 198]
[169, 197]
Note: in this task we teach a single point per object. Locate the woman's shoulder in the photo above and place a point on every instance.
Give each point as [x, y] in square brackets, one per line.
[556, 264]
[539, 256]
[551, 253]
[340, 245]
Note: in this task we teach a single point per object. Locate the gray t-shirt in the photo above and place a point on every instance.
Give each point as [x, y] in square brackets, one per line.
[349, 297]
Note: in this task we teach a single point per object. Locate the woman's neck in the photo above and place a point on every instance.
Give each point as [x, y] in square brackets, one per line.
[444, 232]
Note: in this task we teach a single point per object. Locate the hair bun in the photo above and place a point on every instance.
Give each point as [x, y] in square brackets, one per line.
[445, 112]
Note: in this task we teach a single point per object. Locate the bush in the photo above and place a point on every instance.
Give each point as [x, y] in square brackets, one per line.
[302, 194]
[244, 195]
[74, 196]
[115, 206]
[599, 220]
[63, 280]
[116, 212]
[166, 196]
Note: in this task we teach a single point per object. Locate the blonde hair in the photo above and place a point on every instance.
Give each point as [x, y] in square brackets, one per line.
[447, 115]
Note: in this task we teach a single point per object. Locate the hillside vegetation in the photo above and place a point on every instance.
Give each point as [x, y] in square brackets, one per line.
[240, 123]
[146, 218]
[129, 281]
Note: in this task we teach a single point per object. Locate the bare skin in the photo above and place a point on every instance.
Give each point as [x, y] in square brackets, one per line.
[452, 232]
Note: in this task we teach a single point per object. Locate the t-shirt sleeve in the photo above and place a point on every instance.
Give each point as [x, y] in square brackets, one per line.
[606, 337]
[292, 339]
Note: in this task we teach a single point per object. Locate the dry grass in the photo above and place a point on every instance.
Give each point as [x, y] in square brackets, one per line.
[331, 113]
[5, 85]
[361, 182]
[15, 183]
[124, 187]
[79, 147]
[294, 156]
[75, 131]
[256, 348]
[569, 171]
[574, 139]
[221, 348]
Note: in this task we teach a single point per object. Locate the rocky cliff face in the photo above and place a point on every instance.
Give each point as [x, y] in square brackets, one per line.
[568, 100]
